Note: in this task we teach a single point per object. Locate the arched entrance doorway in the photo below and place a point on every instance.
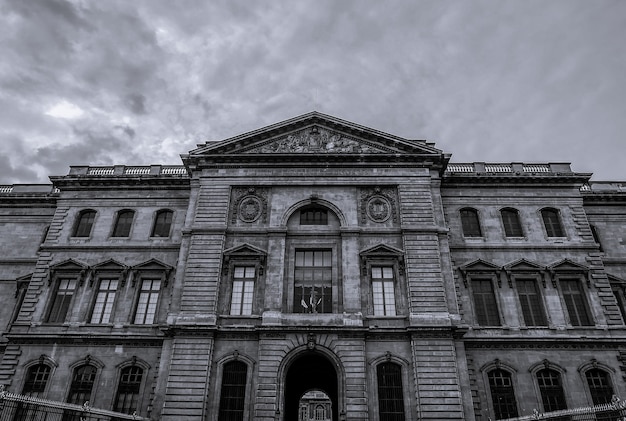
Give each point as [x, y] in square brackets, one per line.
[310, 371]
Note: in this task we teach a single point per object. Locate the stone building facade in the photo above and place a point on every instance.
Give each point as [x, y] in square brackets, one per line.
[316, 263]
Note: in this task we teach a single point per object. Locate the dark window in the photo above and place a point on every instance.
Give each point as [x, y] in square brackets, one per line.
[162, 223]
[511, 222]
[485, 303]
[127, 398]
[233, 392]
[62, 299]
[530, 300]
[390, 395]
[470, 223]
[599, 385]
[82, 384]
[313, 292]
[502, 394]
[596, 237]
[575, 302]
[620, 296]
[123, 223]
[147, 303]
[551, 389]
[36, 380]
[552, 222]
[243, 290]
[383, 291]
[84, 223]
[104, 301]
[314, 216]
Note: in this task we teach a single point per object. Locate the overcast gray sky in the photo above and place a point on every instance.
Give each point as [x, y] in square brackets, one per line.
[140, 82]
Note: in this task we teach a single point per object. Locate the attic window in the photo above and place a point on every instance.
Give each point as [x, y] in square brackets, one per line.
[314, 215]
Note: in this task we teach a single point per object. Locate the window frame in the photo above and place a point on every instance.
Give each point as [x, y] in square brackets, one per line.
[150, 270]
[315, 268]
[92, 308]
[405, 370]
[78, 227]
[492, 278]
[133, 362]
[54, 296]
[536, 279]
[553, 228]
[499, 365]
[255, 281]
[584, 294]
[591, 365]
[470, 229]
[155, 221]
[322, 220]
[151, 292]
[515, 226]
[219, 376]
[88, 361]
[116, 223]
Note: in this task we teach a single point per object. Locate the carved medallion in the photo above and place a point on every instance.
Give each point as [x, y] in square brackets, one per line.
[249, 209]
[378, 209]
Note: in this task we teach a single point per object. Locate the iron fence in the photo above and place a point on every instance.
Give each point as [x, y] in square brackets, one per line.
[614, 411]
[14, 407]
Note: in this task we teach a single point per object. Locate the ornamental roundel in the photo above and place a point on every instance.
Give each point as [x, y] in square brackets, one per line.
[378, 209]
[249, 209]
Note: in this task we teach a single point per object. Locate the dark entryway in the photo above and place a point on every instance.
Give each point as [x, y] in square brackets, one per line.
[309, 371]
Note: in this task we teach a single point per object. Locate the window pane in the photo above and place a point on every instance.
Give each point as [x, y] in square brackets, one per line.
[314, 216]
[530, 301]
[552, 222]
[84, 224]
[485, 303]
[162, 224]
[233, 391]
[390, 395]
[147, 303]
[313, 281]
[36, 380]
[243, 290]
[511, 222]
[82, 383]
[470, 223]
[502, 394]
[123, 223]
[383, 293]
[104, 301]
[600, 386]
[62, 300]
[575, 302]
[551, 390]
[127, 398]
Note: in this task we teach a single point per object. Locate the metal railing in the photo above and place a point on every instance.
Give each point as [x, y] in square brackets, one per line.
[14, 407]
[614, 411]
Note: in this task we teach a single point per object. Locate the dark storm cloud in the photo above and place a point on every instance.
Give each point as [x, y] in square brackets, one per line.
[141, 82]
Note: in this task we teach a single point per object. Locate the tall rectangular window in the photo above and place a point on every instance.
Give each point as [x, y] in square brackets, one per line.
[552, 222]
[313, 280]
[511, 222]
[470, 223]
[147, 303]
[599, 385]
[82, 383]
[502, 394]
[551, 389]
[62, 299]
[162, 223]
[127, 397]
[383, 291]
[530, 301]
[390, 395]
[123, 223]
[104, 301]
[575, 302]
[233, 391]
[485, 302]
[243, 290]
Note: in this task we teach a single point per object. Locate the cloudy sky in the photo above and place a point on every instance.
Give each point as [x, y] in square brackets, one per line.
[140, 82]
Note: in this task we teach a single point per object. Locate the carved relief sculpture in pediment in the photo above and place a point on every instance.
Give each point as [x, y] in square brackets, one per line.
[248, 204]
[315, 140]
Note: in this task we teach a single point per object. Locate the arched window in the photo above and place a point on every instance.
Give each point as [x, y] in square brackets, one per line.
[313, 215]
[36, 380]
[551, 390]
[600, 387]
[470, 222]
[83, 380]
[84, 223]
[127, 397]
[233, 391]
[123, 223]
[511, 223]
[162, 223]
[390, 394]
[502, 394]
[320, 413]
[552, 222]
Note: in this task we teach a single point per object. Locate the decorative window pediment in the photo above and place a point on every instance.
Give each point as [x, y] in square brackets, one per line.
[242, 253]
[382, 252]
[480, 267]
[568, 267]
[68, 267]
[523, 267]
[153, 266]
[110, 266]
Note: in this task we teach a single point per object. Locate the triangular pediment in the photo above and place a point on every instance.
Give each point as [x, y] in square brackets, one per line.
[245, 250]
[109, 265]
[523, 265]
[315, 133]
[382, 250]
[567, 265]
[153, 265]
[69, 265]
[479, 265]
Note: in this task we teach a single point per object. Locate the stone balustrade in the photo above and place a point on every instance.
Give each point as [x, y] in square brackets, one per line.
[117, 170]
[517, 168]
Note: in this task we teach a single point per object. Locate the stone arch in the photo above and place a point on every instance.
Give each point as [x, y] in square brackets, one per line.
[313, 201]
[294, 360]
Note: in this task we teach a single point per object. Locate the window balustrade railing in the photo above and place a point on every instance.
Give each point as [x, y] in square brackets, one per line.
[613, 411]
[6, 189]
